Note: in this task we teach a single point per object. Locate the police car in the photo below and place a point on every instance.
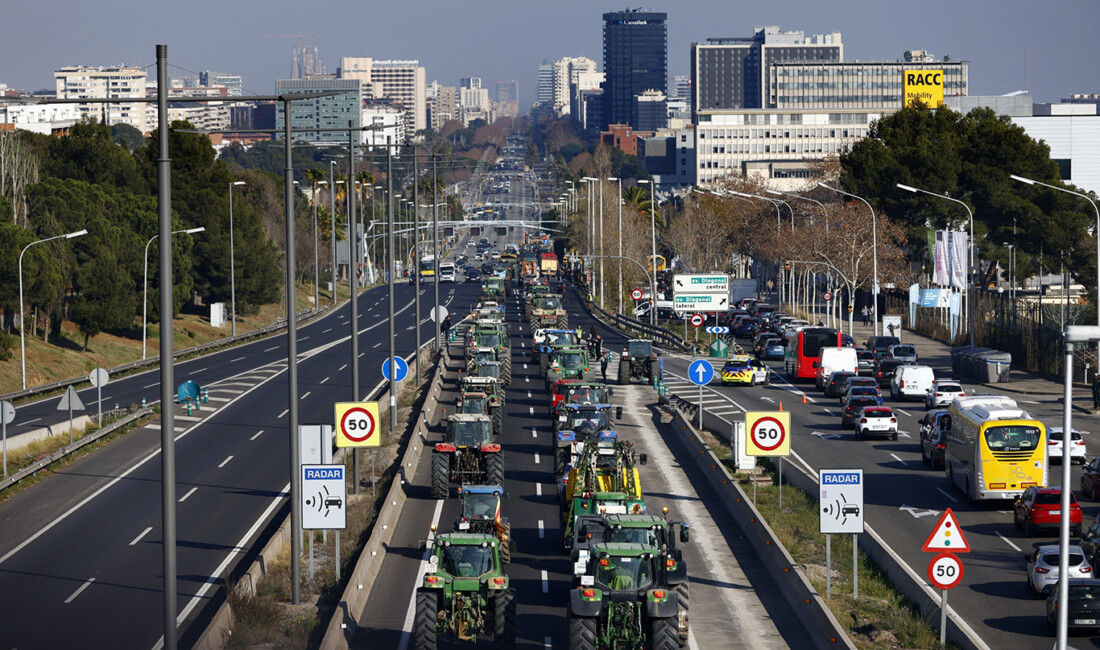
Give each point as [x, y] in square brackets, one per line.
[743, 369]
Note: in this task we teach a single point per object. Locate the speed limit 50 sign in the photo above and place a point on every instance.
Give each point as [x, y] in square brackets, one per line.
[768, 433]
[357, 424]
[945, 570]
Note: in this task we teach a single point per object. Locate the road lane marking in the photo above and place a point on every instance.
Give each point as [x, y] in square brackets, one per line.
[545, 582]
[285, 411]
[410, 611]
[536, 458]
[342, 367]
[904, 413]
[141, 535]
[224, 462]
[1007, 540]
[31, 421]
[542, 530]
[327, 331]
[376, 345]
[324, 380]
[195, 372]
[944, 493]
[151, 385]
[531, 410]
[525, 366]
[538, 489]
[529, 393]
[81, 588]
[190, 492]
[362, 354]
[306, 395]
[828, 411]
[303, 339]
[527, 379]
[237, 359]
[547, 643]
[258, 434]
[899, 459]
[273, 349]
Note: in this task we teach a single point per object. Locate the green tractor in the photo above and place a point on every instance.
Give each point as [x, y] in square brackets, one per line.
[493, 289]
[481, 514]
[651, 531]
[485, 334]
[476, 356]
[468, 455]
[602, 479]
[465, 593]
[625, 602]
[547, 311]
[494, 370]
[567, 363]
[639, 359]
[478, 402]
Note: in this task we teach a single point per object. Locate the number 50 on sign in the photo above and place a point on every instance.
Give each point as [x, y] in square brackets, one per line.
[357, 424]
[768, 433]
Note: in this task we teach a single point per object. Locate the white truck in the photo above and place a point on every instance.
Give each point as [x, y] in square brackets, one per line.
[447, 272]
[741, 288]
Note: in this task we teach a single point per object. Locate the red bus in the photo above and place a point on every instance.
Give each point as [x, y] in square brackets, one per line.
[803, 351]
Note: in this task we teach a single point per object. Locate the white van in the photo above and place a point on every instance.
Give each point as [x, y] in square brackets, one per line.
[911, 382]
[446, 272]
[835, 360]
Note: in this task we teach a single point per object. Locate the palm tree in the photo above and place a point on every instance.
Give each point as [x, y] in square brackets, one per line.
[639, 197]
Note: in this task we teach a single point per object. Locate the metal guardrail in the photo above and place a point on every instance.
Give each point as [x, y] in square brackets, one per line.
[657, 333]
[305, 314]
[46, 461]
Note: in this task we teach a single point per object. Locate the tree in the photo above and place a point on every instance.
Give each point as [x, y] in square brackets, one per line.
[102, 302]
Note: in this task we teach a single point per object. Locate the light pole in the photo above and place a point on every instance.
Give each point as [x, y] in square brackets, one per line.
[232, 271]
[332, 217]
[874, 246]
[145, 291]
[316, 250]
[620, 202]
[653, 249]
[1096, 232]
[591, 226]
[602, 303]
[22, 328]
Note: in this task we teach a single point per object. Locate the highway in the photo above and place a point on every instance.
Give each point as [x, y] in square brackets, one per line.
[904, 499]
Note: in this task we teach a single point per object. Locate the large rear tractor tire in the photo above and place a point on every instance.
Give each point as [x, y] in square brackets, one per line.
[563, 322]
[425, 628]
[663, 635]
[683, 593]
[544, 365]
[561, 459]
[494, 468]
[582, 633]
[504, 620]
[497, 417]
[440, 479]
[506, 546]
[624, 372]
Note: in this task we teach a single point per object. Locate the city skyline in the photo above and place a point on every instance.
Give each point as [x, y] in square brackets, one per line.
[495, 39]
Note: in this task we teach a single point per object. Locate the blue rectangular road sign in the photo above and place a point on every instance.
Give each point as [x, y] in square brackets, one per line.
[841, 501]
[329, 473]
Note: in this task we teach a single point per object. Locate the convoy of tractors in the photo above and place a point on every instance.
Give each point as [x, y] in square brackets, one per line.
[630, 583]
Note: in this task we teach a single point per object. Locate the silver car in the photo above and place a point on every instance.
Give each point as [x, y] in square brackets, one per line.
[1042, 568]
[942, 392]
[902, 352]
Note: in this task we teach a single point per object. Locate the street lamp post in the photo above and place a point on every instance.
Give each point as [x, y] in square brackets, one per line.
[620, 202]
[332, 217]
[316, 249]
[22, 328]
[232, 269]
[145, 290]
[874, 246]
[970, 270]
[602, 302]
[1096, 232]
[591, 226]
[653, 249]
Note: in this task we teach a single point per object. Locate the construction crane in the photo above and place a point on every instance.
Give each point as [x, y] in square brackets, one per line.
[298, 64]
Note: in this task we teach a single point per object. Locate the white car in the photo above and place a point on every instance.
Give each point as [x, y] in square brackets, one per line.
[1077, 451]
[876, 421]
[942, 392]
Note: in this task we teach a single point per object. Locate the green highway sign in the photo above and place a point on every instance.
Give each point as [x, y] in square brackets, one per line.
[701, 283]
[700, 302]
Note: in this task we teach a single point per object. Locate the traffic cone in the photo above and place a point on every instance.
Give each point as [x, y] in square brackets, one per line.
[780, 405]
[803, 398]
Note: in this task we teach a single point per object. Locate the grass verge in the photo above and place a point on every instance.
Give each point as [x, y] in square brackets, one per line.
[882, 617]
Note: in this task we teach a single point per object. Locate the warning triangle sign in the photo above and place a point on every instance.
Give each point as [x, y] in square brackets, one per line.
[946, 536]
[70, 400]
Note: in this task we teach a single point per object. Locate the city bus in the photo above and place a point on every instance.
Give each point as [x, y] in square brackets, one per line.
[803, 351]
[427, 268]
[995, 449]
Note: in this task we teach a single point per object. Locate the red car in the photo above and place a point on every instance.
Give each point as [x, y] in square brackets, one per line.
[1041, 508]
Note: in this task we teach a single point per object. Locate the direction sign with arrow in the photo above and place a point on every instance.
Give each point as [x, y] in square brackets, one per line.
[700, 372]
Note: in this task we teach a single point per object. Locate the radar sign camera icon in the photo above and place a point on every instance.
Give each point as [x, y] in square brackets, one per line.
[322, 501]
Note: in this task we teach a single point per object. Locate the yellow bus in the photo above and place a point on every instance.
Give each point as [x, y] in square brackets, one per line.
[995, 449]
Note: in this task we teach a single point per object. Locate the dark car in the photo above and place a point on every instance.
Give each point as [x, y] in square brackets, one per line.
[1090, 479]
[857, 392]
[880, 345]
[472, 274]
[847, 341]
[1083, 608]
[838, 383]
[884, 371]
[852, 408]
[774, 349]
[1037, 507]
[762, 343]
[932, 442]
[747, 327]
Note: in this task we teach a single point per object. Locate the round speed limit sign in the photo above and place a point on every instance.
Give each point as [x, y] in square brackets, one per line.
[636, 295]
[768, 433]
[945, 570]
[357, 424]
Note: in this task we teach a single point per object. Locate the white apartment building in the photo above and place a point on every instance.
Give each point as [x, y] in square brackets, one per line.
[39, 118]
[474, 104]
[105, 82]
[390, 118]
[402, 82]
[566, 73]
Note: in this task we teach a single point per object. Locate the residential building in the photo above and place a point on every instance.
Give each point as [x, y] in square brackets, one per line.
[623, 137]
[401, 82]
[635, 59]
[475, 104]
[231, 82]
[680, 88]
[584, 80]
[650, 111]
[333, 111]
[590, 112]
[444, 105]
[566, 73]
[388, 119]
[38, 118]
[104, 82]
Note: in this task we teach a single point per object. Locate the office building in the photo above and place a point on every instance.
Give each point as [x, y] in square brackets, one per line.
[669, 157]
[865, 84]
[233, 83]
[508, 98]
[635, 59]
[400, 82]
[389, 123]
[475, 105]
[650, 111]
[544, 92]
[86, 82]
[585, 80]
[333, 111]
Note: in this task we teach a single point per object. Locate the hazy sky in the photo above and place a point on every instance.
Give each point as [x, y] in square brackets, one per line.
[507, 39]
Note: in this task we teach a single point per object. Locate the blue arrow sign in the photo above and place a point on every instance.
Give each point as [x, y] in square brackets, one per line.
[718, 330]
[402, 369]
[700, 372]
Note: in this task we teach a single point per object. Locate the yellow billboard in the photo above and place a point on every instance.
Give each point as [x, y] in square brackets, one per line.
[925, 86]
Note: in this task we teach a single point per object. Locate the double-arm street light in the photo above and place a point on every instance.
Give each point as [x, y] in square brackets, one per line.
[874, 246]
[1096, 232]
[145, 291]
[22, 328]
[653, 248]
[970, 264]
[232, 268]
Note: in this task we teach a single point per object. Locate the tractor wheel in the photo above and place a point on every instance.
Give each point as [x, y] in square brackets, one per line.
[650, 370]
[504, 619]
[582, 633]
[683, 592]
[563, 322]
[440, 482]
[663, 634]
[497, 417]
[544, 363]
[427, 615]
[494, 468]
[552, 377]
[624, 372]
[506, 546]
[561, 459]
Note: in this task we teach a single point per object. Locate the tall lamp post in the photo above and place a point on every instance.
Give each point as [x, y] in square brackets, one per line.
[316, 250]
[22, 329]
[970, 266]
[145, 291]
[232, 270]
[653, 249]
[1096, 232]
[332, 217]
[591, 221]
[620, 202]
[874, 245]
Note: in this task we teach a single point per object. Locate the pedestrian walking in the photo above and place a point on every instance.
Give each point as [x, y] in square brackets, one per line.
[445, 328]
[863, 313]
[660, 367]
[603, 365]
